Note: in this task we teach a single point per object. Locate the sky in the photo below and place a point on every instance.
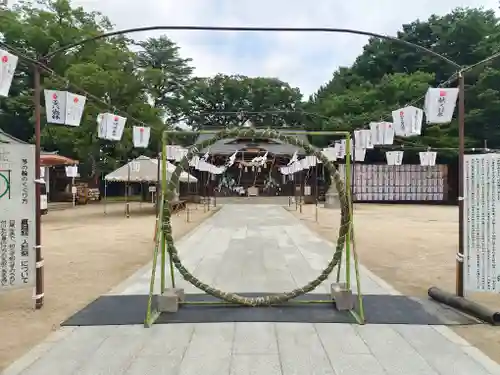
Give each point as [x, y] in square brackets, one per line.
[303, 60]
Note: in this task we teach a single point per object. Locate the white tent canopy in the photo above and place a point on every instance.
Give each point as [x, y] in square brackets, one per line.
[185, 177]
[144, 169]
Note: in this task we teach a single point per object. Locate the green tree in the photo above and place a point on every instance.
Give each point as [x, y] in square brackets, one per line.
[388, 75]
[226, 101]
[106, 68]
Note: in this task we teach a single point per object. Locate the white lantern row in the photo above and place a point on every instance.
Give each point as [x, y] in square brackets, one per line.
[66, 108]
[427, 158]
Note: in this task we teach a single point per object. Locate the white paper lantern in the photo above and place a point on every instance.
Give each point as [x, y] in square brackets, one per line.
[407, 121]
[440, 105]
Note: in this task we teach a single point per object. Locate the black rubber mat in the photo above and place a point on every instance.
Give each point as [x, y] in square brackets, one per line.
[379, 309]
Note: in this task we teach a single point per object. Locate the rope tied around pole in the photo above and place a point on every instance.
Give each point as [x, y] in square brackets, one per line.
[345, 223]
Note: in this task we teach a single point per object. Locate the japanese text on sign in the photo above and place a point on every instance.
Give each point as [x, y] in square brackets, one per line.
[482, 202]
[17, 216]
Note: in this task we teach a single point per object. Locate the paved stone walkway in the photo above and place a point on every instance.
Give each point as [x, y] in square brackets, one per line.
[255, 248]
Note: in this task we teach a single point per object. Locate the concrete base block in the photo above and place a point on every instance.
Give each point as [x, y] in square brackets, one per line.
[342, 296]
[169, 300]
[180, 293]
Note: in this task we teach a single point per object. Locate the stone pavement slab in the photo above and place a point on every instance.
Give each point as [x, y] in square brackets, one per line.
[247, 248]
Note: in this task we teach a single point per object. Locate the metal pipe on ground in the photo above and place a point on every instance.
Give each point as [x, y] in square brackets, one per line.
[464, 305]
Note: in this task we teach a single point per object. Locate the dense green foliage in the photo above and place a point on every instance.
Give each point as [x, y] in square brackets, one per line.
[387, 75]
[152, 83]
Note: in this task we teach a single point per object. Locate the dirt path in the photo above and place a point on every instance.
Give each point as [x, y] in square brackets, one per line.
[411, 247]
[86, 254]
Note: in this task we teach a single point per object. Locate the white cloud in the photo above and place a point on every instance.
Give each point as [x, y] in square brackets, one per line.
[303, 60]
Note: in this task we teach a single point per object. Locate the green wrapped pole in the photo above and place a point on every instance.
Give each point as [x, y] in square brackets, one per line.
[165, 203]
[348, 196]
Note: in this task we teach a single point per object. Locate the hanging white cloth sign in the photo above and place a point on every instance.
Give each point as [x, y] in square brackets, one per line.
[330, 153]
[71, 171]
[8, 64]
[386, 133]
[394, 157]
[111, 127]
[340, 147]
[359, 154]
[427, 158]
[194, 162]
[366, 138]
[74, 109]
[382, 133]
[376, 133]
[181, 152]
[55, 106]
[285, 170]
[101, 128]
[172, 151]
[304, 163]
[64, 108]
[312, 161]
[407, 121]
[440, 105]
[140, 136]
[358, 139]
[296, 167]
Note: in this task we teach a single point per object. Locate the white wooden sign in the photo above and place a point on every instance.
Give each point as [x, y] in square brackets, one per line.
[482, 223]
[17, 216]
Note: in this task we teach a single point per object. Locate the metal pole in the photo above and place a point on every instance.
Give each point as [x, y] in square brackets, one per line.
[105, 195]
[73, 191]
[158, 186]
[127, 206]
[316, 192]
[166, 201]
[461, 152]
[188, 196]
[39, 277]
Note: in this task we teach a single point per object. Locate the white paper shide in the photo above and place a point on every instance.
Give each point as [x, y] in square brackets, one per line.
[64, 108]
[17, 216]
[440, 105]
[8, 64]
[140, 135]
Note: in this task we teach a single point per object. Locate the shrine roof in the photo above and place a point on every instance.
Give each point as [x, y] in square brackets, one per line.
[228, 146]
